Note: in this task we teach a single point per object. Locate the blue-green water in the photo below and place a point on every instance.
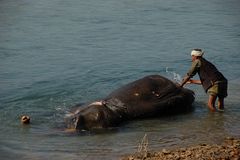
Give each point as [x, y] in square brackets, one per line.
[54, 54]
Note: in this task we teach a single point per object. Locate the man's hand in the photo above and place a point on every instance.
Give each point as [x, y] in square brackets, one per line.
[184, 81]
[189, 81]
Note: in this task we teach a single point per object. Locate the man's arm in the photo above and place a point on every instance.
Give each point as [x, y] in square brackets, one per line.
[187, 80]
[193, 81]
[192, 71]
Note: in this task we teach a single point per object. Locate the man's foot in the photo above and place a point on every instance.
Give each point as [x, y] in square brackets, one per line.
[221, 109]
[212, 109]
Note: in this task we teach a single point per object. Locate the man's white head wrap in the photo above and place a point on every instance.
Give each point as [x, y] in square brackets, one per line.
[197, 53]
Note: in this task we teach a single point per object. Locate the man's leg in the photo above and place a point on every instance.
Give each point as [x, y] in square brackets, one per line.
[222, 93]
[220, 103]
[211, 102]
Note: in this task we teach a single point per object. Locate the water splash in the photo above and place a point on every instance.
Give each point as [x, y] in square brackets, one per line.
[174, 76]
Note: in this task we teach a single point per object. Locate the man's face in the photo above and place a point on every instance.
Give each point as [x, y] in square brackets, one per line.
[194, 58]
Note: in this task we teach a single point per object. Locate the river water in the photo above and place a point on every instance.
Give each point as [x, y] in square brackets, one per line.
[54, 54]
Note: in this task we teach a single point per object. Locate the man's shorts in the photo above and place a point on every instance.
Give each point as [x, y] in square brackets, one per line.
[218, 89]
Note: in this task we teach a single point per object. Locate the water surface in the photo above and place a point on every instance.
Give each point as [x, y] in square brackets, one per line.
[54, 54]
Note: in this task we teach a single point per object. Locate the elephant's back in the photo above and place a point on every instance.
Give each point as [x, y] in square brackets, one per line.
[144, 87]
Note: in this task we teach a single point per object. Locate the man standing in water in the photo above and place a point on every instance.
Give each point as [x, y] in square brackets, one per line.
[213, 81]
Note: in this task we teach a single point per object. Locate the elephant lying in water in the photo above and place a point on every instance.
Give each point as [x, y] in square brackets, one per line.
[150, 96]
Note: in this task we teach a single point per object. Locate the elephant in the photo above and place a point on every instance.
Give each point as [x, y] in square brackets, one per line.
[150, 96]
